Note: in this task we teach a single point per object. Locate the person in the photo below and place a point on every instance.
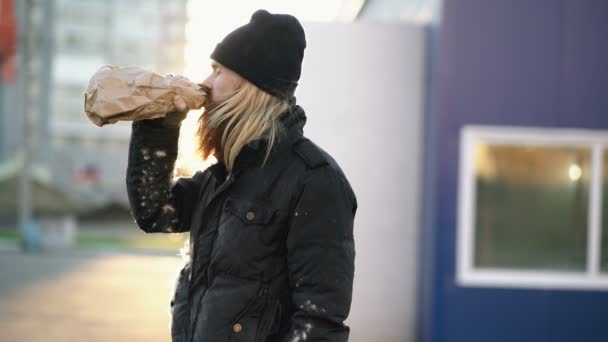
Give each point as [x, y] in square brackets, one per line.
[271, 223]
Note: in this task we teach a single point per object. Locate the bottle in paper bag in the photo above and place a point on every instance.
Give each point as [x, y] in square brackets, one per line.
[133, 93]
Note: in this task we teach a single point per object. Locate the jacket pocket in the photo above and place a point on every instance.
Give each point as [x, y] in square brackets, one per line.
[254, 222]
[249, 212]
[271, 320]
[258, 319]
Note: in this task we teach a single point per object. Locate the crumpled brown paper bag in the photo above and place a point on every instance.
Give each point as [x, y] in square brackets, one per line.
[134, 93]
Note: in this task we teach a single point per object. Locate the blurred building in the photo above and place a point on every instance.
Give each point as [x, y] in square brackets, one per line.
[511, 243]
[68, 41]
[8, 50]
[89, 34]
[515, 231]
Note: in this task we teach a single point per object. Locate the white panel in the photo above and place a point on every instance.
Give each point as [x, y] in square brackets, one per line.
[361, 88]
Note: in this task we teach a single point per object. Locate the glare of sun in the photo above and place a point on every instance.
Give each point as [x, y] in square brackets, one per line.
[574, 172]
[208, 22]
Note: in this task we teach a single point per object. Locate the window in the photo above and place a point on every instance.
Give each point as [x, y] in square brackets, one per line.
[530, 208]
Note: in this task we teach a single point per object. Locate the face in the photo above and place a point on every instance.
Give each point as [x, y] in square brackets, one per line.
[220, 85]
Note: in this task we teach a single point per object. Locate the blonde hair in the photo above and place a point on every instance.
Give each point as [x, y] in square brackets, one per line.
[250, 113]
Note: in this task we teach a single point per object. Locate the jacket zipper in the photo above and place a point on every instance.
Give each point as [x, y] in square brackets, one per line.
[205, 277]
[194, 253]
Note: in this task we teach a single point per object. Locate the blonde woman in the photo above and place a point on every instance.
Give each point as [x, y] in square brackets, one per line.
[271, 223]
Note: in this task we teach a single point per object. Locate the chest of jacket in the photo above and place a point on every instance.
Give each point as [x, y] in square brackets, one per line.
[239, 261]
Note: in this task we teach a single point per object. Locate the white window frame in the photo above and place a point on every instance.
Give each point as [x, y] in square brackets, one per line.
[469, 275]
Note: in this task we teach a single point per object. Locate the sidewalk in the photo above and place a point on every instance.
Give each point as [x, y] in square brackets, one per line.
[85, 296]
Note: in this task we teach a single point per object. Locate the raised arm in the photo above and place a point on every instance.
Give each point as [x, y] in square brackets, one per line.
[321, 255]
[159, 205]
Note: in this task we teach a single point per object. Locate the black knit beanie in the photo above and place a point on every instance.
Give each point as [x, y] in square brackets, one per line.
[268, 52]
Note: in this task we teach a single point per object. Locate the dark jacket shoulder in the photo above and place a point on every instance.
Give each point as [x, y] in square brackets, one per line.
[315, 157]
[312, 155]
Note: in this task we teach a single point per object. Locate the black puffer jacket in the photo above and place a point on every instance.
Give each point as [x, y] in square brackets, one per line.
[272, 247]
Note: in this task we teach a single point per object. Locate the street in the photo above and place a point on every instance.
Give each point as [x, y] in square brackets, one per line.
[85, 296]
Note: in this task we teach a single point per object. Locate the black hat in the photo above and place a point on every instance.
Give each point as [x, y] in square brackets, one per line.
[268, 52]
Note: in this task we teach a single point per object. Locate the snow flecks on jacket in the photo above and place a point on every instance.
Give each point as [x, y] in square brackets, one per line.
[145, 153]
[302, 334]
[152, 154]
[154, 191]
[308, 306]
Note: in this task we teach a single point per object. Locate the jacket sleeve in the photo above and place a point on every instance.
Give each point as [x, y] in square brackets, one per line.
[321, 255]
[157, 203]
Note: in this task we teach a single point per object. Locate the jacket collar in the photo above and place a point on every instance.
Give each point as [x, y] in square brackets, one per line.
[252, 154]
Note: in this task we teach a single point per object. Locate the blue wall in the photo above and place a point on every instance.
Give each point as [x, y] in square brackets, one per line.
[511, 62]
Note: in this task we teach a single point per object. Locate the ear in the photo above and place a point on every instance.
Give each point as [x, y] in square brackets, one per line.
[239, 81]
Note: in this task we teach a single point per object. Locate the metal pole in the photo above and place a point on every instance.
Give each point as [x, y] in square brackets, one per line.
[46, 54]
[27, 232]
